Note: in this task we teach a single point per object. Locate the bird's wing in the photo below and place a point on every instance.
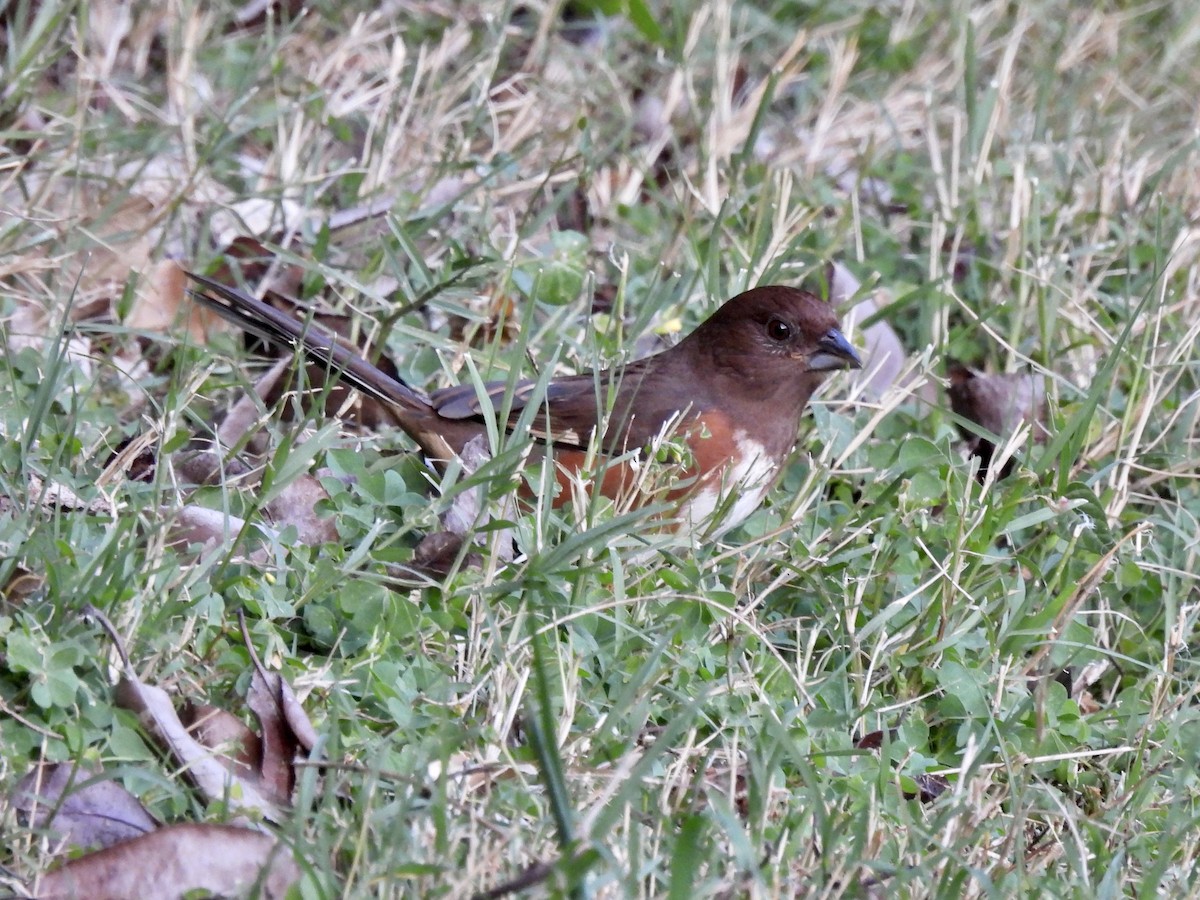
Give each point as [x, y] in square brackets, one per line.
[569, 409]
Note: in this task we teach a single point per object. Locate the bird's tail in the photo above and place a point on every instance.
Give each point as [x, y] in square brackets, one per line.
[277, 327]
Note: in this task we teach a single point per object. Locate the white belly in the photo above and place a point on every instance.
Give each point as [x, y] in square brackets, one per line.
[733, 496]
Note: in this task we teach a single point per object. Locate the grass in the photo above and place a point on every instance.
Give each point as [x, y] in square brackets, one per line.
[629, 711]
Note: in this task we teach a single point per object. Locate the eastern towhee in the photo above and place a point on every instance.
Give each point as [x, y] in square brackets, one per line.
[733, 390]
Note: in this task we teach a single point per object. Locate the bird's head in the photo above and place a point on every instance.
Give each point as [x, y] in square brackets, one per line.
[777, 333]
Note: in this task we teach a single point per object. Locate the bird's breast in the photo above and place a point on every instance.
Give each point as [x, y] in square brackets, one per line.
[732, 486]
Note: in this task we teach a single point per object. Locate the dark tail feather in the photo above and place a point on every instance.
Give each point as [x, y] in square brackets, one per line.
[277, 327]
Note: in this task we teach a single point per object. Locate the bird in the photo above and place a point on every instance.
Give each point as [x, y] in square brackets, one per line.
[726, 400]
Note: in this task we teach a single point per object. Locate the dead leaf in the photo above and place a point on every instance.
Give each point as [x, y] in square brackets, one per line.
[80, 805]
[33, 325]
[177, 860]
[55, 496]
[157, 715]
[873, 740]
[208, 527]
[296, 504]
[127, 232]
[22, 584]
[929, 787]
[223, 732]
[259, 775]
[215, 782]
[161, 302]
[466, 508]
[296, 717]
[284, 725]
[438, 551]
[999, 405]
[885, 355]
[246, 413]
[208, 466]
[277, 773]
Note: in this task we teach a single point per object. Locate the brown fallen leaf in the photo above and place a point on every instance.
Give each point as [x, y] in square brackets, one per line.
[160, 302]
[285, 727]
[208, 463]
[873, 740]
[437, 552]
[296, 717]
[158, 716]
[296, 504]
[211, 529]
[929, 787]
[999, 405]
[22, 583]
[216, 783]
[885, 355]
[435, 555]
[175, 861]
[82, 806]
[55, 496]
[223, 732]
[276, 764]
[465, 513]
[245, 414]
[208, 466]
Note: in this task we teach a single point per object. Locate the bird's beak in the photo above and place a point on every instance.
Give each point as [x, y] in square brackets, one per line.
[834, 352]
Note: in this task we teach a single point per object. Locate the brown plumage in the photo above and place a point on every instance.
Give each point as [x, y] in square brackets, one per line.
[734, 389]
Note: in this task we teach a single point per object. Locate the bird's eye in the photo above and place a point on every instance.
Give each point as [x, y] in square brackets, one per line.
[779, 330]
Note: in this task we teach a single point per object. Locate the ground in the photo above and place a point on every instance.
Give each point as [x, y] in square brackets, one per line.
[908, 673]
